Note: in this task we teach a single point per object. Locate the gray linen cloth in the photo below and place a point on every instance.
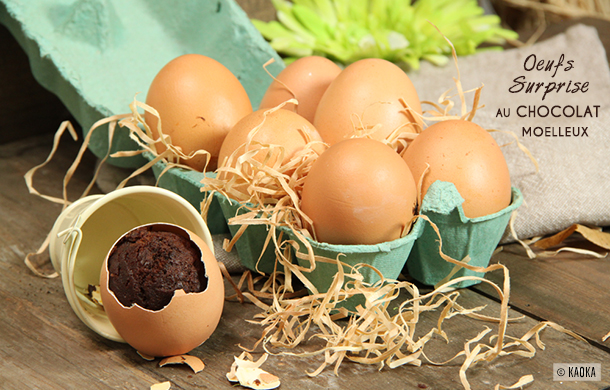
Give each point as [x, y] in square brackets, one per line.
[573, 182]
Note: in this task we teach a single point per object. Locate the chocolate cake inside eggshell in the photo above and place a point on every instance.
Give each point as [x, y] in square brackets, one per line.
[162, 289]
[146, 266]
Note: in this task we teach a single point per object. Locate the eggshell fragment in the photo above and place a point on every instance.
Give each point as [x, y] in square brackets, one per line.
[272, 127]
[368, 93]
[359, 191]
[145, 356]
[249, 374]
[198, 100]
[192, 361]
[161, 386]
[306, 80]
[465, 154]
[183, 324]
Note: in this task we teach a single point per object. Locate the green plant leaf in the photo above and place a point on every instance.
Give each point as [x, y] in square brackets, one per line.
[311, 21]
[271, 29]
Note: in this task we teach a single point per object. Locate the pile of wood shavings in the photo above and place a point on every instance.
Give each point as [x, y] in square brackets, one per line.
[382, 331]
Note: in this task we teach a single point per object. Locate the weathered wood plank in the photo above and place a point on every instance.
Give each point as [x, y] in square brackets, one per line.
[569, 289]
[44, 345]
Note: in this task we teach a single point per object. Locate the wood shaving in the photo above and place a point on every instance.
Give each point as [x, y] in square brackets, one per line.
[192, 361]
[381, 330]
[140, 132]
[248, 373]
[64, 201]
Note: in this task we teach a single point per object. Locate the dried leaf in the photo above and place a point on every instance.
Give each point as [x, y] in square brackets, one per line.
[595, 236]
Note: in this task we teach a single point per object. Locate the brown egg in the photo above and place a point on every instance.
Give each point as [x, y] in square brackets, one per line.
[307, 78]
[365, 94]
[199, 100]
[463, 153]
[359, 191]
[277, 127]
[186, 321]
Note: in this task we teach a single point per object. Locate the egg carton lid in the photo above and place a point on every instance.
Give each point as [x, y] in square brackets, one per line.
[97, 55]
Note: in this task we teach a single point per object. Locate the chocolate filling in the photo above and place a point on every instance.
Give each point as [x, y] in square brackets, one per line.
[146, 266]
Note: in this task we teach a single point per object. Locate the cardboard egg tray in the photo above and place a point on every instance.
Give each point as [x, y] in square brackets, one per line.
[251, 245]
[461, 236]
[96, 55]
[416, 254]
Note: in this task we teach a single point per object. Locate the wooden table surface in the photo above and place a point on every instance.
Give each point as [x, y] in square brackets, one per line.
[43, 345]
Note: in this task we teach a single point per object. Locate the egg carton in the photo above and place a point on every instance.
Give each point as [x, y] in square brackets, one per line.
[416, 254]
[388, 259]
[251, 244]
[187, 183]
[461, 237]
[96, 55]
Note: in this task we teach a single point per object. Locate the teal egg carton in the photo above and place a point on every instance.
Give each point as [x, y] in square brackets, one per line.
[461, 236]
[387, 259]
[416, 254]
[97, 55]
[253, 254]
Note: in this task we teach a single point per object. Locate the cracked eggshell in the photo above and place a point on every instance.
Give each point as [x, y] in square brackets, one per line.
[184, 324]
